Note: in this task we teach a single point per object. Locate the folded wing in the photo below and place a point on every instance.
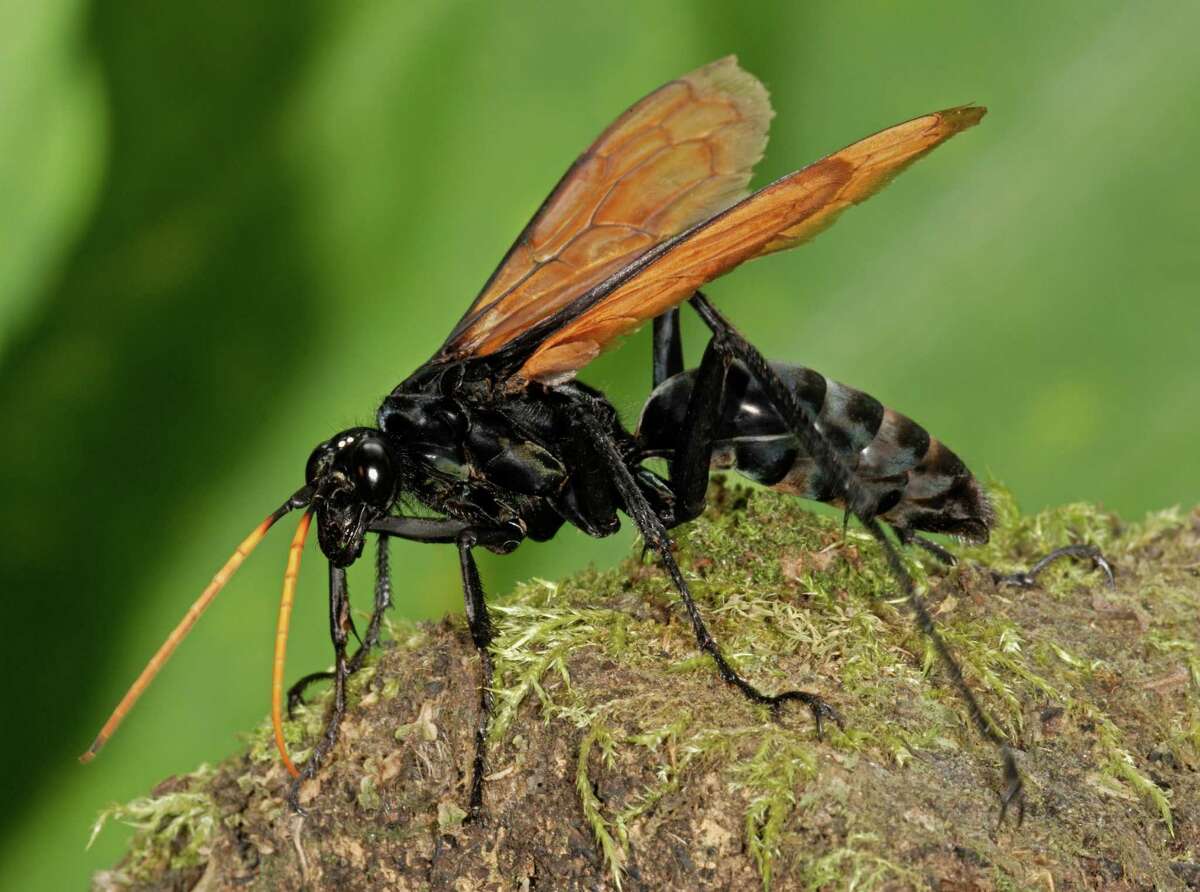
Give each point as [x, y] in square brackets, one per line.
[784, 214]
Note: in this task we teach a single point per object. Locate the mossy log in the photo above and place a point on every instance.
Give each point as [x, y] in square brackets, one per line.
[619, 758]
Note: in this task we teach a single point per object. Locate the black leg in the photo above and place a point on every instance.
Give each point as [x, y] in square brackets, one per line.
[655, 536]
[1020, 579]
[383, 600]
[1028, 578]
[689, 466]
[480, 624]
[415, 529]
[501, 538]
[908, 537]
[668, 347]
[801, 421]
[339, 626]
[295, 694]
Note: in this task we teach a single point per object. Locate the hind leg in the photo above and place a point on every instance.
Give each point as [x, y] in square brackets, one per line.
[1028, 578]
[1021, 578]
[801, 421]
[908, 537]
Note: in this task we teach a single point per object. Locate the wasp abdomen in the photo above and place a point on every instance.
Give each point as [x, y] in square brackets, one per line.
[912, 480]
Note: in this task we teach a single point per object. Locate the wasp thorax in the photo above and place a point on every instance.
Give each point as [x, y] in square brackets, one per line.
[431, 430]
[422, 418]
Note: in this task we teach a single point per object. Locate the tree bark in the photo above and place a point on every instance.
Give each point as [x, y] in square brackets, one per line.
[617, 755]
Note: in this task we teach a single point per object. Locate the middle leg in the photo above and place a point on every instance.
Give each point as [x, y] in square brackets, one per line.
[655, 536]
[482, 633]
[668, 347]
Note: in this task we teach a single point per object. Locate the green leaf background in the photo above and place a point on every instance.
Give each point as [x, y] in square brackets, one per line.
[229, 229]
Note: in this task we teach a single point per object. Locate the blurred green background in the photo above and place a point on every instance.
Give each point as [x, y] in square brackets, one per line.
[229, 229]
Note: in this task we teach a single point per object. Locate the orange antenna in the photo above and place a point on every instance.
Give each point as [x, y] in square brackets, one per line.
[290, 575]
[189, 619]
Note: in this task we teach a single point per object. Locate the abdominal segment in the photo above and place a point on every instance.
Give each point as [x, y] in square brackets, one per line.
[905, 477]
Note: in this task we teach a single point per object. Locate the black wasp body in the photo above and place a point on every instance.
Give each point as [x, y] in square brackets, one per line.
[496, 438]
[522, 462]
[504, 466]
[516, 464]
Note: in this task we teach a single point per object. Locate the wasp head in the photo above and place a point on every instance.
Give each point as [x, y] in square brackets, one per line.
[354, 481]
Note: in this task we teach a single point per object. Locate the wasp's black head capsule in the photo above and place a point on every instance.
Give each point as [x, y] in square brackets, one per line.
[354, 478]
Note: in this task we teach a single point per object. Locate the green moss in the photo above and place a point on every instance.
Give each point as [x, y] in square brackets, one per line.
[449, 815]
[855, 867]
[799, 602]
[787, 592]
[779, 766]
[597, 734]
[172, 830]
[368, 794]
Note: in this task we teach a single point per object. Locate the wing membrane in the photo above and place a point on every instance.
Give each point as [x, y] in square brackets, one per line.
[677, 157]
[784, 214]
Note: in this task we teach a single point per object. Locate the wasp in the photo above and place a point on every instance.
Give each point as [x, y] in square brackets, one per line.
[497, 438]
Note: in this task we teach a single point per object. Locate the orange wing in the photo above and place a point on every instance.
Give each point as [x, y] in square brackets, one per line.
[675, 158]
[784, 214]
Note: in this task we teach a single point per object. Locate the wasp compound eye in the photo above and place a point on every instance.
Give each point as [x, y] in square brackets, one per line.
[373, 472]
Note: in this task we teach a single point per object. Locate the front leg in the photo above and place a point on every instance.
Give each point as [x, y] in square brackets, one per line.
[339, 628]
[383, 600]
[502, 538]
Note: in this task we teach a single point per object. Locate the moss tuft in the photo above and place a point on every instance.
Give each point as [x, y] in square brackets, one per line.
[172, 828]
